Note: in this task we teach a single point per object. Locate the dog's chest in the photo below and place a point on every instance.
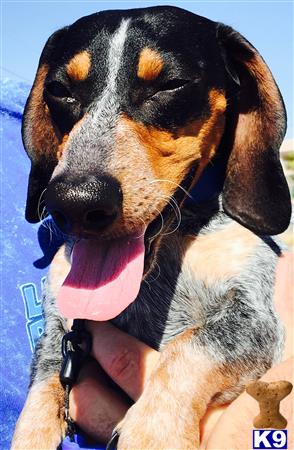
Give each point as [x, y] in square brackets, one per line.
[170, 300]
[195, 278]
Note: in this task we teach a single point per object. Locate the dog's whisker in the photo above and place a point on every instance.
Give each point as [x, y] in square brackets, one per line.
[50, 234]
[172, 231]
[56, 231]
[148, 284]
[39, 204]
[48, 225]
[45, 223]
[161, 227]
[172, 202]
[144, 229]
[51, 227]
[174, 206]
[172, 182]
[156, 277]
[175, 228]
[42, 217]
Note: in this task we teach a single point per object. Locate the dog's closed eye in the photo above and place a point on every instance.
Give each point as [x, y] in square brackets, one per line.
[65, 108]
[170, 86]
[173, 84]
[59, 90]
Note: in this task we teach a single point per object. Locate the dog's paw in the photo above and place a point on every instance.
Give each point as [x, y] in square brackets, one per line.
[151, 430]
[41, 425]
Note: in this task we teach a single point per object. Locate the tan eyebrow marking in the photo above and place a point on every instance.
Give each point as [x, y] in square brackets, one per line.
[150, 64]
[79, 66]
[171, 154]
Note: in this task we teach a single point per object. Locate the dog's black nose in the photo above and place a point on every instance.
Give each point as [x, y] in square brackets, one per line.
[81, 205]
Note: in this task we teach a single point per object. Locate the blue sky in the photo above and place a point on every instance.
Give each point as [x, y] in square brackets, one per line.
[26, 26]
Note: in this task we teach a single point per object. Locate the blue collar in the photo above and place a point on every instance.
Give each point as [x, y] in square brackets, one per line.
[210, 184]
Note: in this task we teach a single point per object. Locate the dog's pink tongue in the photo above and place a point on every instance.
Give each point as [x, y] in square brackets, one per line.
[104, 279]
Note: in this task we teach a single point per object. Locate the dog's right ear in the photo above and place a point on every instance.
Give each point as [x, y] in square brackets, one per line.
[255, 191]
[38, 133]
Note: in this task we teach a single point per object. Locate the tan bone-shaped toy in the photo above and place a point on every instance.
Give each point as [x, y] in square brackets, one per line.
[269, 396]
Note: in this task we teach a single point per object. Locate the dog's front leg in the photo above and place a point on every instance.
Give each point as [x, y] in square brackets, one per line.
[41, 424]
[167, 414]
[201, 366]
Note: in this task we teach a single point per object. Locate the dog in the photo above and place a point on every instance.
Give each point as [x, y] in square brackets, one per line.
[128, 110]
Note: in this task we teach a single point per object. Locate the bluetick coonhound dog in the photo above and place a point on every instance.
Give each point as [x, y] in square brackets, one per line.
[129, 109]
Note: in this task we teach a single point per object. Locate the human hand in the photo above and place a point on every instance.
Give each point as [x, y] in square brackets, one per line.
[96, 405]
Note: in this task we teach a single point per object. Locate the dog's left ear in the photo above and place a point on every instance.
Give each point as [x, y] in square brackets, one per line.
[255, 190]
[39, 136]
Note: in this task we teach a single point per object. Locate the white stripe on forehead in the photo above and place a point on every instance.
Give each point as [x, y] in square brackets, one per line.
[115, 52]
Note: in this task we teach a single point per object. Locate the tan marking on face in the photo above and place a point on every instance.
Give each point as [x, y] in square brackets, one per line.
[221, 254]
[172, 155]
[38, 124]
[62, 146]
[159, 161]
[212, 130]
[150, 64]
[41, 423]
[79, 66]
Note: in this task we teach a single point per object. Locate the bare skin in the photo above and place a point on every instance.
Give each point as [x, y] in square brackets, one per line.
[97, 407]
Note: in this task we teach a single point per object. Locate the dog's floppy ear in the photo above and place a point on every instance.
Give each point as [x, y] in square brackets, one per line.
[38, 134]
[255, 189]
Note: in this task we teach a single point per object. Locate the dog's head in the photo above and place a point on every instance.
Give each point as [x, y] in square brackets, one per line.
[129, 107]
